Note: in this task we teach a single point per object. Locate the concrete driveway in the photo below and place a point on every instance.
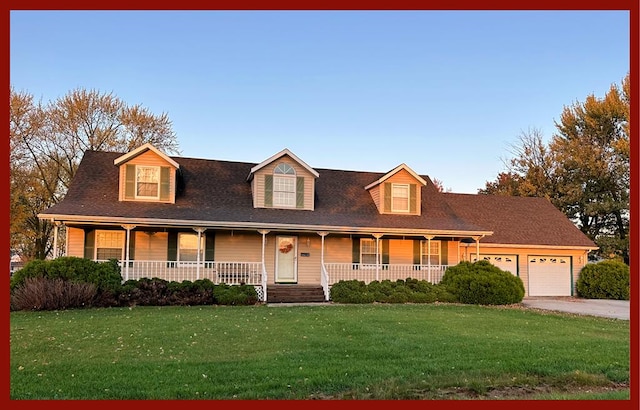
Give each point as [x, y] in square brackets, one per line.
[616, 309]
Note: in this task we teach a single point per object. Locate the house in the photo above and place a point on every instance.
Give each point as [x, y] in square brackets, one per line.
[284, 226]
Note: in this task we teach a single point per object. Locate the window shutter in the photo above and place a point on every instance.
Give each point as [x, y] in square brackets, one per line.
[172, 246]
[444, 252]
[165, 183]
[385, 251]
[417, 250]
[412, 198]
[387, 197]
[130, 181]
[89, 243]
[209, 246]
[299, 192]
[355, 250]
[268, 190]
[132, 244]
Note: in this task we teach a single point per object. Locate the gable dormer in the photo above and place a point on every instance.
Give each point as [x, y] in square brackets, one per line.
[398, 192]
[283, 181]
[146, 175]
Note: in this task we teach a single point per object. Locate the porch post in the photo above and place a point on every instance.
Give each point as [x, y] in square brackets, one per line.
[199, 230]
[477, 239]
[55, 239]
[264, 233]
[429, 238]
[128, 228]
[322, 235]
[377, 236]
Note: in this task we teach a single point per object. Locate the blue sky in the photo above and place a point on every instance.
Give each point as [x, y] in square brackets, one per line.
[446, 92]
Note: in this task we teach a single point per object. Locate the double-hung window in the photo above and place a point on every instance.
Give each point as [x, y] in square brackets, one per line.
[432, 257]
[400, 197]
[188, 247]
[284, 186]
[367, 251]
[147, 182]
[109, 245]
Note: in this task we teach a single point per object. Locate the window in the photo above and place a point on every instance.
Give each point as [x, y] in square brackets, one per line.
[284, 186]
[147, 182]
[435, 253]
[400, 197]
[367, 251]
[188, 247]
[109, 245]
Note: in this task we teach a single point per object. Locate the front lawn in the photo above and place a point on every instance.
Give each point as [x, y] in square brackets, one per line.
[436, 351]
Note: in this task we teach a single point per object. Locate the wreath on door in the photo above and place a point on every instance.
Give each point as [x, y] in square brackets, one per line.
[285, 247]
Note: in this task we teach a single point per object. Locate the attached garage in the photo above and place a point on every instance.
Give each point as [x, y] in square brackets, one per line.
[550, 276]
[507, 263]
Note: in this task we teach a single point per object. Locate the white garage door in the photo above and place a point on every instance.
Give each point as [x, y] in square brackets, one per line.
[504, 262]
[550, 276]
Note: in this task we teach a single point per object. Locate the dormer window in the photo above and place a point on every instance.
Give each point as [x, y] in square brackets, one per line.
[400, 197]
[147, 182]
[284, 186]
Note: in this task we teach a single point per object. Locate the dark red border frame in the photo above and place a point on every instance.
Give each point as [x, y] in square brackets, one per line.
[633, 6]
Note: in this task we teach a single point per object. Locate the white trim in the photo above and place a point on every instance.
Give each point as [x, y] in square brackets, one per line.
[408, 208]
[123, 244]
[169, 223]
[431, 242]
[393, 172]
[141, 149]
[506, 245]
[135, 188]
[199, 245]
[278, 156]
[295, 258]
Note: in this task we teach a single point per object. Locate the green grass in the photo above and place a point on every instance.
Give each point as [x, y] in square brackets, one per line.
[434, 351]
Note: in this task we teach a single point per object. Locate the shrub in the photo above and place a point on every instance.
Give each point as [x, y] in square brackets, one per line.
[482, 283]
[42, 293]
[351, 291]
[604, 280]
[224, 294]
[386, 291]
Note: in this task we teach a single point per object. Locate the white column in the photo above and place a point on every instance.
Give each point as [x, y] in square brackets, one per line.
[377, 236]
[128, 228]
[55, 239]
[429, 238]
[264, 233]
[477, 239]
[199, 230]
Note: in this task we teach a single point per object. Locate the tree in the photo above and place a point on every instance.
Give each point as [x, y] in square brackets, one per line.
[583, 170]
[440, 185]
[47, 143]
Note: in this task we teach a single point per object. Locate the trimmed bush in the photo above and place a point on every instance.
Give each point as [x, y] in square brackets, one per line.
[387, 291]
[41, 293]
[351, 291]
[604, 280]
[224, 294]
[482, 283]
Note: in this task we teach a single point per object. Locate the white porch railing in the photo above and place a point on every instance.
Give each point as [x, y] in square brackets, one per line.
[370, 272]
[232, 273]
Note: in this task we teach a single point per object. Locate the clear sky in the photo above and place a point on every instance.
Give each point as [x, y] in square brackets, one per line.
[445, 92]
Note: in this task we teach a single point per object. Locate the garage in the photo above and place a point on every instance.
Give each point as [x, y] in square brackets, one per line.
[507, 263]
[549, 275]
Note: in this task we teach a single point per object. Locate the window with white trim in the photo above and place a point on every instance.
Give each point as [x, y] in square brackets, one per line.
[367, 251]
[147, 182]
[284, 186]
[109, 245]
[435, 253]
[400, 197]
[188, 247]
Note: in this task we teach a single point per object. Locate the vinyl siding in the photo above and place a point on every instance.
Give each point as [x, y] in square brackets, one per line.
[151, 247]
[375, 196]
[400, 251]
[257, 184]
[75, 242]
[152, 159]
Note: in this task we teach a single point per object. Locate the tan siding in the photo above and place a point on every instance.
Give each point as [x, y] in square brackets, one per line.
[151, 247]
[337, 249]
[75, 242]
[452, 253]
[238, 246]
[375, 195]
[309, 271]
[152, 159]
[523, 257]
[309, 182]
[400, 251]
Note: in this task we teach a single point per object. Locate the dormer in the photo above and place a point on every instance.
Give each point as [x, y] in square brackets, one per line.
[398, 192]
[147, 175]
[283, 181]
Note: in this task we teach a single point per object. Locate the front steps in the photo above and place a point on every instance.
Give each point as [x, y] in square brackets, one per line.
[294, 293]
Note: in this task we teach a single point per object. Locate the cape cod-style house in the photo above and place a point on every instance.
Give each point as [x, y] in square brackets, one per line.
[284, 226]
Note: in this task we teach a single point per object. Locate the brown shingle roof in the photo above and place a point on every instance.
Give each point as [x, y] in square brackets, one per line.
[217, 191]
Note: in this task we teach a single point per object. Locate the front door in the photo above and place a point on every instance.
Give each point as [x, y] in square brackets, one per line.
[286, 261]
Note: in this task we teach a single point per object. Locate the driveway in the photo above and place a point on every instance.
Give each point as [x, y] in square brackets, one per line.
[616, 309]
